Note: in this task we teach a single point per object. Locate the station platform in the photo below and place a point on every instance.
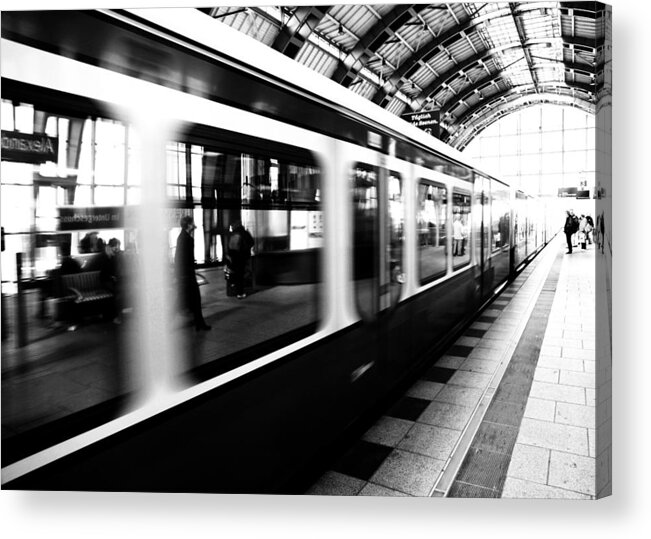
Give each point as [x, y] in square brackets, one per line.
[507, 412]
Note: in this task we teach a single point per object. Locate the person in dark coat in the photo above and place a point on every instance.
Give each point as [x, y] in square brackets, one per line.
[106, 262]
[188, 288]
[239, 252]
[68, 264]
[571, 226]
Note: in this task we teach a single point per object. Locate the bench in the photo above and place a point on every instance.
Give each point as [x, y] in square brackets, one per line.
[85, 286]
[84, 290]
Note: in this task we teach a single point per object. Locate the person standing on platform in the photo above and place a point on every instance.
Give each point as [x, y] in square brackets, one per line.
[570, 228]
[239, 252]
[583, 223]
[457, 235]
[589, 228]
[188, 288]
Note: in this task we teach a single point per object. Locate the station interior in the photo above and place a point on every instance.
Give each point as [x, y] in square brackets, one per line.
[521, 89]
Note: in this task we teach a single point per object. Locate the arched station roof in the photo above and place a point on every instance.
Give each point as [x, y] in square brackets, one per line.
[473, 62]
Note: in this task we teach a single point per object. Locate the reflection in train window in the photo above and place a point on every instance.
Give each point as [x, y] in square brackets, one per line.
[394, 271]
[378, 236]
[276, 197]
[432, 230]
[531, 226]
[520, 225]
[365, 238]
[500, 216]
[461, 226]
[66, 264]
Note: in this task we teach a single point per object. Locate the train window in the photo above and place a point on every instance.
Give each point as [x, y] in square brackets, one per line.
[461, 226]
[177, 171]
[500, 223]
[7, 116]
[59, 219]
[277, 199]
[431, 221]
[109, 155]
[60, 214]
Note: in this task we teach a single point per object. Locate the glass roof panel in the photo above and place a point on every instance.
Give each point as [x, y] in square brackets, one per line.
[532, 48]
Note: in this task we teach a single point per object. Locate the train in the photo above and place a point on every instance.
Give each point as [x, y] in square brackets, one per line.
[375, 246]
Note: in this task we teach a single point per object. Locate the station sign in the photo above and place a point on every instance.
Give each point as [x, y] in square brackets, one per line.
[107, 217]
[429, 121]
[27, 148]
[567, 191]
[91, 217]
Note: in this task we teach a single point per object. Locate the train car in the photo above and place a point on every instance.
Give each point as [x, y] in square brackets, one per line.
[375, 244]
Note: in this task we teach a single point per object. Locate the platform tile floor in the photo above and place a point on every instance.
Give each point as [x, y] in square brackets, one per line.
[554, 455]
[416, 447]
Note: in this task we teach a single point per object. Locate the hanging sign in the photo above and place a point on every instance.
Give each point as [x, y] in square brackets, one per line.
[428, 121]
[92, 217]
[106, 217]
[26, 148]
[567, 191]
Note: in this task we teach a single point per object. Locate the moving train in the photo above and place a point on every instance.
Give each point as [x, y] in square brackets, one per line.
[375, 245]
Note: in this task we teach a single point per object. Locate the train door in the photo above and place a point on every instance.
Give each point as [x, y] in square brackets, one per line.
[378, 230]
[500, 235]
[482, 210]
[378, 258]
[530, 243]
[519, 229]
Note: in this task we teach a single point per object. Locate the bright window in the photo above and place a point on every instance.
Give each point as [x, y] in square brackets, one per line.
[432, 223]
[540, 147]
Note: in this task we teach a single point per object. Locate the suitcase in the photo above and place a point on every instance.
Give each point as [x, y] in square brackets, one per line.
[228, 278]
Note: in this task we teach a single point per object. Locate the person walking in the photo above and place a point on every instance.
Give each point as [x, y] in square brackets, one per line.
[188, 288]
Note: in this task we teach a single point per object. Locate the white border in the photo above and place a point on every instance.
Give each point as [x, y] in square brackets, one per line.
[626, 514]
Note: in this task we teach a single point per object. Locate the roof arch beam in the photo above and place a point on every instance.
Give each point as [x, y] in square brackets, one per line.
[463, 137]
[523, 38]
[470, 90]
[449, 75]
[521, 90]
[421, 57]
[489, 104]
[294, 34]
[367, 46]
[478, 86]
